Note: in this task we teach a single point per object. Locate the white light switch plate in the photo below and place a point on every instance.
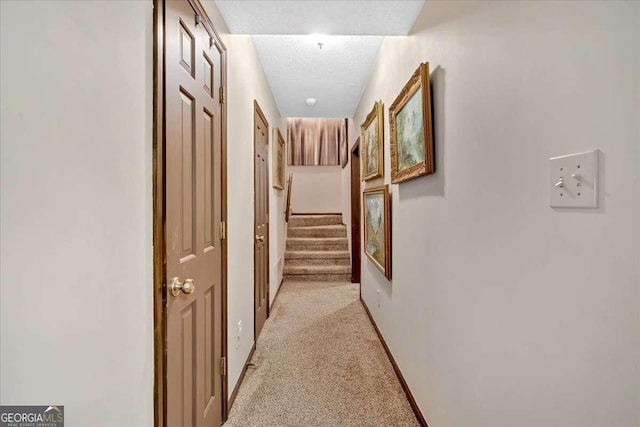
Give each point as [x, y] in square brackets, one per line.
[573, 180]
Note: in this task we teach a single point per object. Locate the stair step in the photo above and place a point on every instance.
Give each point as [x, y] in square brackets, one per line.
[318, 231]
[318, 261]
[323, 278]
[317, 269]
[314, 220]
[315, 244]
[317, 258]
[317, 254]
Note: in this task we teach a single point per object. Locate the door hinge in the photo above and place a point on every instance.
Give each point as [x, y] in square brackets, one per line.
[198, 20]
[221, 90]
[210, 42]
[223, 366]
[266, 218]
[223, 230]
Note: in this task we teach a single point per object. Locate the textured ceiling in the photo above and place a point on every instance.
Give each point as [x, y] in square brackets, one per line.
[338, 17]
[296, 68]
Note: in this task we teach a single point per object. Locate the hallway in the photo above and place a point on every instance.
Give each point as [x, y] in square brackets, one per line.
[301, 380]
[188, 186]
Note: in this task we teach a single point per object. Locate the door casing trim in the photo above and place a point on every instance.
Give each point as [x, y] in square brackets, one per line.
[159, 257]
[355, 216]
[257, 110]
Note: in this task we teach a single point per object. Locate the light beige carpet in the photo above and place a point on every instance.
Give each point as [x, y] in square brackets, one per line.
[320, 363]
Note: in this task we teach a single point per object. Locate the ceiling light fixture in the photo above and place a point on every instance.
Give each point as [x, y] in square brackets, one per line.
[310, 102]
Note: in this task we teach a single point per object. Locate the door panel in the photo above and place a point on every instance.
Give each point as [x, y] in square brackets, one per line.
[187, 166]
[210, 339]
[193, 209]
[188, 365]
[261, 219]
[187, 48]
[208, 73]
[209, 180]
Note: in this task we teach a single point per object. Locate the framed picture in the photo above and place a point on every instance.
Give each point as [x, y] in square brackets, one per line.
[373, 139]
[411, 129]
[377, 227]
[278, 159]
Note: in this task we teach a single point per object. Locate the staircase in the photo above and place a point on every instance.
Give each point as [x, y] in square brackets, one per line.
[317, 249]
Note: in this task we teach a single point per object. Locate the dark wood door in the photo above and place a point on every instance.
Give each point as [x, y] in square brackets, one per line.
[193, 200]
[261, 219]
[355, 213]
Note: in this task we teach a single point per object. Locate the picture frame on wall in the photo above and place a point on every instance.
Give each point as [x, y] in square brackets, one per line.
[377, 227]
[278, 160]
[373, 139]
[411, 131]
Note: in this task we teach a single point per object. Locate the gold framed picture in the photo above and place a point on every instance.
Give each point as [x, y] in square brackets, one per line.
[373, 139]
[278, 160]
[377, 227]
[411, 129]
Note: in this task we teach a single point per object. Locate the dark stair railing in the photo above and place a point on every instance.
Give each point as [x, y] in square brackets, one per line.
[287, 210]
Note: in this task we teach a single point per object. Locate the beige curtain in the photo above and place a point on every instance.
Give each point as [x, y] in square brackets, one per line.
[316, 142]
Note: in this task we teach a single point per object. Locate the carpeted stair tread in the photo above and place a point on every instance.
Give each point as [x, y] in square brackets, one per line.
[318, 231]
[317, 269]
[315, 244]
[317, 258]
[316, 254]
[321, 227]
[317, 239]
[319, 216]
[320, 278]
[314, 220]
[318, 261]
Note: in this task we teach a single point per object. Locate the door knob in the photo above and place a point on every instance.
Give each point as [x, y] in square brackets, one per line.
[188, 286]
[259, 238]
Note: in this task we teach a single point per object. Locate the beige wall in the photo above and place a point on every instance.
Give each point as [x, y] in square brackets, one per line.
[316, 189]
[502, 311]
[246, 83]
[76, 314]
[76, 219]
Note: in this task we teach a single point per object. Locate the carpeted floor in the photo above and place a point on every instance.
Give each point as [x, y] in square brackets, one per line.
[320, 363]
